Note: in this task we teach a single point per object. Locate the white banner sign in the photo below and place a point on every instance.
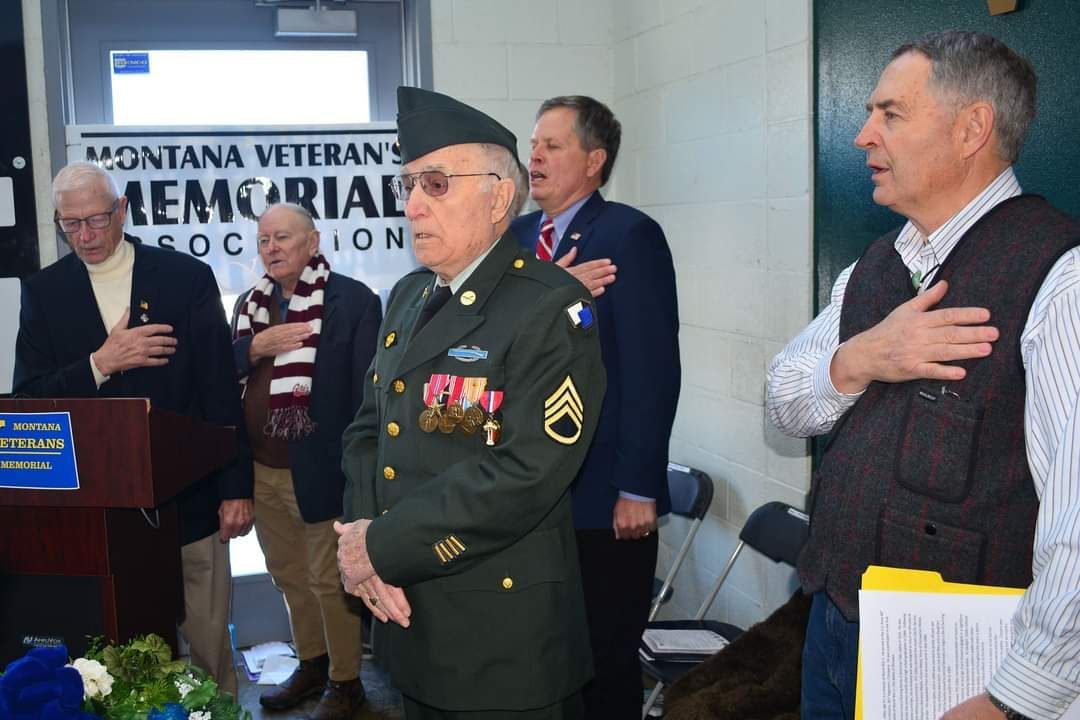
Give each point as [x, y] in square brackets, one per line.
[201, 191]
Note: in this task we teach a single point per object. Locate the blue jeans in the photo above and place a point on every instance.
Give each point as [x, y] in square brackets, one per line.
[829, 663]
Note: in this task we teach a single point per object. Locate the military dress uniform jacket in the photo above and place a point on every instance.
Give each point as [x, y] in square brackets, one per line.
[60, 325]
[481, 538]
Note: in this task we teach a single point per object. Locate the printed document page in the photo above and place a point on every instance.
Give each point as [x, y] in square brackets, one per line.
[922, 654]
[705, 642]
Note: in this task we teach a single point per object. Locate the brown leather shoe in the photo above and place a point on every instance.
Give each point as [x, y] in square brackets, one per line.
[306, 680]
[339, 700]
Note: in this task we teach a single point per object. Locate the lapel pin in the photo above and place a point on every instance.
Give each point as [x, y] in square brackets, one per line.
[575, 236]
[468, 298]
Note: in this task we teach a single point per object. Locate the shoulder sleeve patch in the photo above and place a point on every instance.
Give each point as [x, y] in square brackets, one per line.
[580, 315]
[564, 414]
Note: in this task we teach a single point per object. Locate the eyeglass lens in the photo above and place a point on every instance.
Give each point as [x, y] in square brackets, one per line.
[434, 183]
[99, 221]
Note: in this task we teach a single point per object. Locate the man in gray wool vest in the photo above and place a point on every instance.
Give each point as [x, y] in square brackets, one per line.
[947, 371]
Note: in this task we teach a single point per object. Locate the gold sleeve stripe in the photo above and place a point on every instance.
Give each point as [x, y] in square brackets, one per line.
[566, 387]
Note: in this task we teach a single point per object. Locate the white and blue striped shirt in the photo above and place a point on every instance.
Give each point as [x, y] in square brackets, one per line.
[1040, 676]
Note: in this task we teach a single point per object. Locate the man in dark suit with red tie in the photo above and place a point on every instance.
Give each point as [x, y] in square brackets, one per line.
[621, 489]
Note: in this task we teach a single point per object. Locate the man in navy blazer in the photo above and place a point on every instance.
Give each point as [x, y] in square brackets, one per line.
[320, 329]
[118, 319]
[622, 487]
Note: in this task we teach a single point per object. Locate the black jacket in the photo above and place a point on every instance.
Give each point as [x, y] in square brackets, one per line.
[60, 326]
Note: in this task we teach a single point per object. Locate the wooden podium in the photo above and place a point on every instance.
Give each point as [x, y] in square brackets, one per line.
[101, 560]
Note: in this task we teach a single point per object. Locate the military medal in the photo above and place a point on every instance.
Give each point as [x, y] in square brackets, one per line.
[445, 424]
[474, 416]
[491, 401]
[454, 410]
[433, 390]
[429, 420]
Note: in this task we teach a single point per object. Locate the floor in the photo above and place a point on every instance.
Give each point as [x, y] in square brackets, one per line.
[383, 701]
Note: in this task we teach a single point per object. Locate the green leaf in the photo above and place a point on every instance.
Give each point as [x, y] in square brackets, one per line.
[201, 695]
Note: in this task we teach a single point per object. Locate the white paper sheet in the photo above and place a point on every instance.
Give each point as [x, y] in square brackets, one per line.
[705, 642]
[276, 669]
[923, 653]
[256, 655]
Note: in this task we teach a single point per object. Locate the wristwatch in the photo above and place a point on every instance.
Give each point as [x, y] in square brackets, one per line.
[1009, 713]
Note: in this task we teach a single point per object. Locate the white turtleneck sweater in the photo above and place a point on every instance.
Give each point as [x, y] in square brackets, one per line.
[111, 282]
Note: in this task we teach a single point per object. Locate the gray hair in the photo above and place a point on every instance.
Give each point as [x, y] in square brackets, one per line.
[967, 67]
[82, 175]
[594, 124]
[304, 214]
[503, 163]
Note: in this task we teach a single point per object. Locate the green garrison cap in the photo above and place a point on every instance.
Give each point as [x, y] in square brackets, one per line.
[428, 121]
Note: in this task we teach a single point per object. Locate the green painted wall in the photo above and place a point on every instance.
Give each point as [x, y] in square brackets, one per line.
[852, 43]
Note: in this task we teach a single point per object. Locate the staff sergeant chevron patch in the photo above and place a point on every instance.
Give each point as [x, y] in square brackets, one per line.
[564, 413]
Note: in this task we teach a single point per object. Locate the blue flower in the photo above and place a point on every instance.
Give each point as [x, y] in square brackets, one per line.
[37, 686]
[171, 711]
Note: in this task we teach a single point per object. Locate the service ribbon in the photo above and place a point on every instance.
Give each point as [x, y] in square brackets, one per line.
[474, 388]
[433, 389]
[491, 400]
[457, 385]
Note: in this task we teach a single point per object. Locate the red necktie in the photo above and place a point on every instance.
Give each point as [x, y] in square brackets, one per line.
[546, 243]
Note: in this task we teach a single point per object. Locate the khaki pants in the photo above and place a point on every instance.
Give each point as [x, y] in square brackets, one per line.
[207, 588]
[302, 560]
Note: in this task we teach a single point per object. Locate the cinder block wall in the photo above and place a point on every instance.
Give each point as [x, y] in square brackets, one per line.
[506, 56]
[715, 101]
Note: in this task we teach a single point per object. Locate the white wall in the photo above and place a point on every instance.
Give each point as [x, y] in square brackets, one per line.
[715, 101]
[506, 56]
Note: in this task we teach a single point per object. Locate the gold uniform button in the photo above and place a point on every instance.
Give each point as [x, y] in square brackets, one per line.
[375, 379]
[519, 263]
[388, 473]
[507, 583]
[399, 386]
[385, 511]
[391, 338]
[393, 429]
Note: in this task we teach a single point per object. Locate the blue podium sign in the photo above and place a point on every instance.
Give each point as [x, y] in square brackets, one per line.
[37, 451]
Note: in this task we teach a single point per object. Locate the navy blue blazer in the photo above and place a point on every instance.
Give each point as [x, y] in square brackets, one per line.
[352, 314]
[639, 339]
[60, 325]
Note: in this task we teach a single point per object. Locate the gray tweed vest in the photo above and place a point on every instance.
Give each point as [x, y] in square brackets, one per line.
[934, 476]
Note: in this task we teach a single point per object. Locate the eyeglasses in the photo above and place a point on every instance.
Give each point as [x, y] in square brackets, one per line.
[94, 222]
[434, 182]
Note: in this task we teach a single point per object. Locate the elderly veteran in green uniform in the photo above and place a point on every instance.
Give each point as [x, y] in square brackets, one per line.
[485, 391]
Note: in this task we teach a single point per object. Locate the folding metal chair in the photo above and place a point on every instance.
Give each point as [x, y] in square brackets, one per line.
[691, 495]
[777, 531]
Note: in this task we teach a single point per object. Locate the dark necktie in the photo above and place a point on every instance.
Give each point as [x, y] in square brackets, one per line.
[435, 301]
